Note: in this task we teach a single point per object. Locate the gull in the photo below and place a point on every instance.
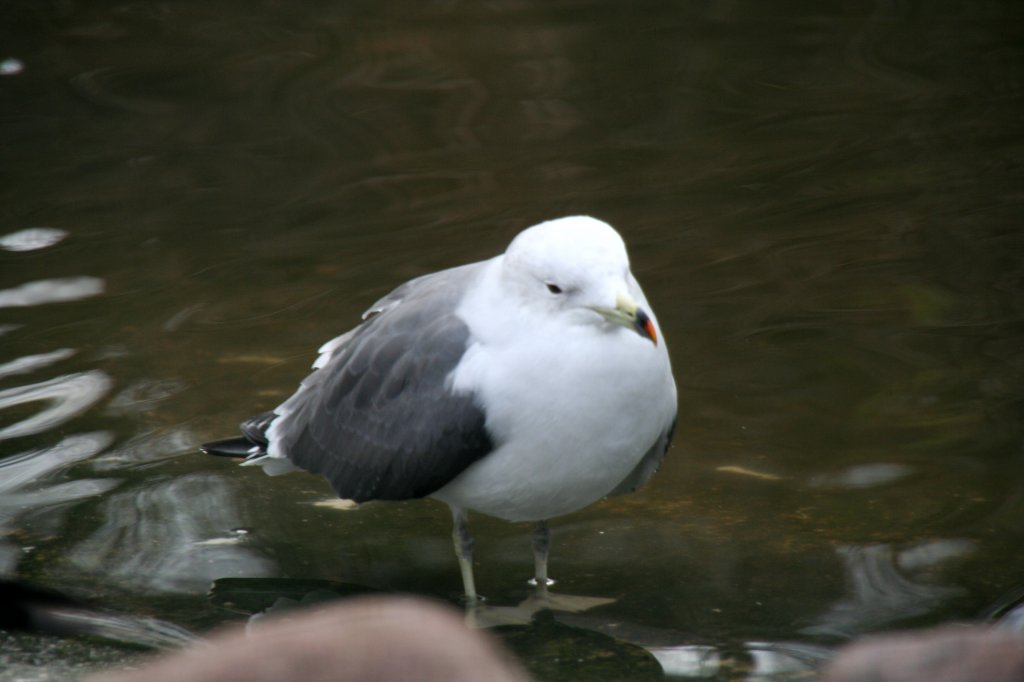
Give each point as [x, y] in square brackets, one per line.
[525, 387]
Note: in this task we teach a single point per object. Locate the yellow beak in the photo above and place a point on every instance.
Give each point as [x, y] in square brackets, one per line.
[627, 313]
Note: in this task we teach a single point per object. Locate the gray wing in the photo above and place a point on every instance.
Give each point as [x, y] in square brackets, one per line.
[648, 465]
[378, 419]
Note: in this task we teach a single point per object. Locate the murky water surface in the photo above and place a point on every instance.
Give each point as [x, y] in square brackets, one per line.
[823, 202]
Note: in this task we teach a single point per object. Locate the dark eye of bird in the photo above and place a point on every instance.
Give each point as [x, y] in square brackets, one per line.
[554, 288]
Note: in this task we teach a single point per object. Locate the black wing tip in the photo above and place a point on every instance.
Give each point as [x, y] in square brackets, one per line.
[238, 447]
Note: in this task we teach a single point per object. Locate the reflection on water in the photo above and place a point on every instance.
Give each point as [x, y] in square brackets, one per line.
[688, 660]
[31, 363]
[32, 239]
[27, 484]
[753, 662]
[143, 395]
[679, 657]
[29, 467]
[190, 516]
[168, 537]
[887, 586]
[147, 447]
[863, 476]
[11, 67]
[51, 291]
[67, 395]
[823, 203]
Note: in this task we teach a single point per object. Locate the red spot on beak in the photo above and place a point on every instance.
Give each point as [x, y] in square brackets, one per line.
[649, 330]
[645, 326]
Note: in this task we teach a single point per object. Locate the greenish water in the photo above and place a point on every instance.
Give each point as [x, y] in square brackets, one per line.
[823, 204]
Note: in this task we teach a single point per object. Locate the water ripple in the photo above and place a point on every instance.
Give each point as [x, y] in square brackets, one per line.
[51, 291]
[31, 363]
[144, 394]
[863, 476]
[22, 486]
[147, 448]
[15, 504]
[886, 585]
[185, 513]
[32, 239]
[23, 468]
[70, 395]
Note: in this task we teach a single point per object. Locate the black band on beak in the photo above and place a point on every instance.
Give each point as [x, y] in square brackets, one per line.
[645, 327]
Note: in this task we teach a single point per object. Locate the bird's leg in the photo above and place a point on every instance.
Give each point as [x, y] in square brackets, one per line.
[464, 551]
[541, 545]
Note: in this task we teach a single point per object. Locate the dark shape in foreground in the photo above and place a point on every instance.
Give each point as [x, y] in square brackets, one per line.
[365, 638]
[953, 653]
[400, 638]
[525, 387]
[33, 609]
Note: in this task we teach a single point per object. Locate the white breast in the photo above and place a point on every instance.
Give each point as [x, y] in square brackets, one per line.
[573, 409]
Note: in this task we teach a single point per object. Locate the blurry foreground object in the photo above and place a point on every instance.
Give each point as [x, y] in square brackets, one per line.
[947, 654]
[367, 638]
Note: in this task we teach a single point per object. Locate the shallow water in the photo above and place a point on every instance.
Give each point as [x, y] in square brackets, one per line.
[823, 205]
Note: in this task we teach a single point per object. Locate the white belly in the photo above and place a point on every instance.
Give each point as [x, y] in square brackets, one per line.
[571, 426]
[529, 485]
